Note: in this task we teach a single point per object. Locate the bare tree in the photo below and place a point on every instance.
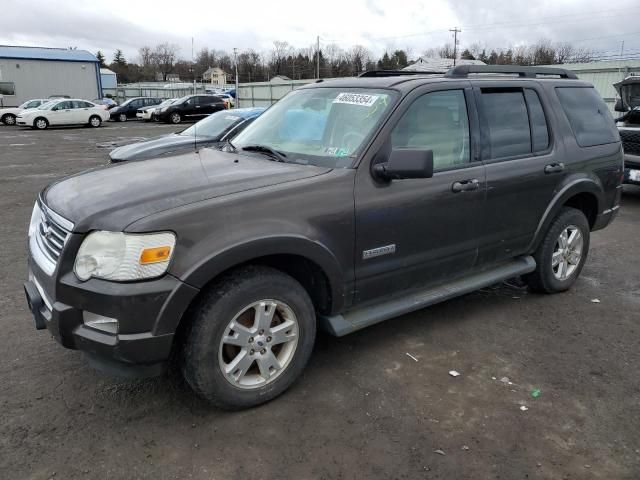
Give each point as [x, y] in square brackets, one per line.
[164, 57]
[279, 54]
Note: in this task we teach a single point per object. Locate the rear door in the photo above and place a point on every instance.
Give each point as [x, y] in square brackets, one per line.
[523, 165]
[81, 112]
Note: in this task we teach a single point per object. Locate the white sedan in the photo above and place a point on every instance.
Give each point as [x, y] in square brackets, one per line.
[63, 112]
[8, 115]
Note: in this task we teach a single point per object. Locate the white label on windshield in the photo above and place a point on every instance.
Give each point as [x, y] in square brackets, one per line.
[356, 99]
[231, 117]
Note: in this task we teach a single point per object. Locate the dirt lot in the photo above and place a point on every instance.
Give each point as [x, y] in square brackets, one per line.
[364, 408]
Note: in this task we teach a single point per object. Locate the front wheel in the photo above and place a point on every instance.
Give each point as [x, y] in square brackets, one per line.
[95, 121]
[122, 117]
[562, 253]
[9, 119]
[249, 338]
[175, 118]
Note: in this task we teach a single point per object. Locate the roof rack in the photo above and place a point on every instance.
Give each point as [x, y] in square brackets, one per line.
[463, 71]
[394, 73]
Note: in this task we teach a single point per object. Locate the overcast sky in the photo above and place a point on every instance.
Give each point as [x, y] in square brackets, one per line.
[376, 24]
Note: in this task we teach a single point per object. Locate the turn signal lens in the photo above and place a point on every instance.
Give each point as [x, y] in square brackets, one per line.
[155, 255]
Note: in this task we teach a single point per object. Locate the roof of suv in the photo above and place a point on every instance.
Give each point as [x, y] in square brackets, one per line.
[387, 79]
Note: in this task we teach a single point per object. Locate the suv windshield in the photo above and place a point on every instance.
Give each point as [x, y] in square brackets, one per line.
[213, 126]
[319, 126]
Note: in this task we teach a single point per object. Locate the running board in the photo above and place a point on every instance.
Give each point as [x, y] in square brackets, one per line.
[340, 325]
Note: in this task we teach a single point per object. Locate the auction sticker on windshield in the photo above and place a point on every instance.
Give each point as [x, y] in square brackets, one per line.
[356, 99]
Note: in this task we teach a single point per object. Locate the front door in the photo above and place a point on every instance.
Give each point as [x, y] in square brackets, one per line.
[418, 232]
[62, 113]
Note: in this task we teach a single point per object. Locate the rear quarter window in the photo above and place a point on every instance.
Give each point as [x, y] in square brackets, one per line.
[588, 115]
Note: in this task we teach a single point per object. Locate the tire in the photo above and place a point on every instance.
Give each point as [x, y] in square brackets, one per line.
[217, 327]
[95, 121]
[9, 119]
[40, 123]
[175, 118]
[552, 259]
[122, 117]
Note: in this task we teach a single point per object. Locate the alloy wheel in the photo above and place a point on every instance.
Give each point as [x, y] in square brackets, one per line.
[9, 120]
[258, 344]
[567, 252]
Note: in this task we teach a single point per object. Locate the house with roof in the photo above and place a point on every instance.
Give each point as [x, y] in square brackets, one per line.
[37, 72]
[215, 76]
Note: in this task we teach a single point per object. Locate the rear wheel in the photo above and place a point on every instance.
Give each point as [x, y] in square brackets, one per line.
[95, 121]
[9, 119]
[122, 117]
[562, 253]
[40, 123]
[175, 117]
[249, 338]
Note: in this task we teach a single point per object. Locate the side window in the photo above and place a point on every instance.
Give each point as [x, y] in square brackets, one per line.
[507, 121]
[436, 121]
[589, 117]
[539, 130]
[79, 104]
[64, 106]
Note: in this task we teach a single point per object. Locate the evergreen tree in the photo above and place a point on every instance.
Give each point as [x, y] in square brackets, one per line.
[101, 59]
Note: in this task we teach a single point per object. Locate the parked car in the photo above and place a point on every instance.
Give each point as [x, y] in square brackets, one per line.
[629, 126]
[107, 102]
[63, 112]
[145, 113]
[228, 99]
[191, 107]
[347, 203]
[212, 131]
[128, 109]
[8, 115]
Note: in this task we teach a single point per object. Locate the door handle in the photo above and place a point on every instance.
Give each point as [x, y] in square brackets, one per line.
[554, 168]
[465, 185]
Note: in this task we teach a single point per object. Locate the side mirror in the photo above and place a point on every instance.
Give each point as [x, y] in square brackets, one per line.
[620, 106]
[406, 163]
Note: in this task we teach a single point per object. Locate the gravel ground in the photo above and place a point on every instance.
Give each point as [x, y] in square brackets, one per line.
[376, 404]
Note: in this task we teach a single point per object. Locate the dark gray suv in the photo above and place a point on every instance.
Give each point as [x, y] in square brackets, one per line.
[347, 203]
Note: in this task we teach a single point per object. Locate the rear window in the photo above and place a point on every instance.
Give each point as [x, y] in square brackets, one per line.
[507, 122]
[590, 119]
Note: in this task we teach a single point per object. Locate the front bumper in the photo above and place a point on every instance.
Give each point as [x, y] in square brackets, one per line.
[631, 166]
[148, 314]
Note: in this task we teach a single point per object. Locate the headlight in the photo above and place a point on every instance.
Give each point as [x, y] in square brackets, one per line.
[36, 217]
[124, 256]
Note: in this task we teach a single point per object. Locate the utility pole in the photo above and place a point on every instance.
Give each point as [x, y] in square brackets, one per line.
[318, 57]
[455, 31]
[235, 60]
[193, 67]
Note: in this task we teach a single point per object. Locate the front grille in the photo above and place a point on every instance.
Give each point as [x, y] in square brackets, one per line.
[631, 141]
[51, 234]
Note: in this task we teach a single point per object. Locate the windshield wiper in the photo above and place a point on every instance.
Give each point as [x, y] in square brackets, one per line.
[276, 155]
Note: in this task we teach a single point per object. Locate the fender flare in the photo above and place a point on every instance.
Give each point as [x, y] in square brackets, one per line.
[573, 187]
[253, 249]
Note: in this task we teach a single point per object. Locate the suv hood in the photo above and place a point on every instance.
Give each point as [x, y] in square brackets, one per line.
[110, 198]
